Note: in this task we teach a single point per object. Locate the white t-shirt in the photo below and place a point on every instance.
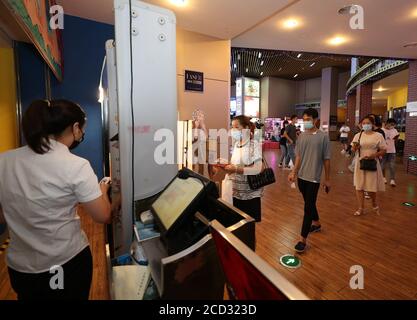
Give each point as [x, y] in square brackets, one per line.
[344, 132]
[389, 137]
[39, 195]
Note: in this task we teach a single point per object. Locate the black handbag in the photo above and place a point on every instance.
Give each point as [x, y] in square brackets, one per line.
[367, 164]
[265, 178]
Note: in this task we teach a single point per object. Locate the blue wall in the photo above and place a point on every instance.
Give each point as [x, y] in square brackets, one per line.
[84, 51]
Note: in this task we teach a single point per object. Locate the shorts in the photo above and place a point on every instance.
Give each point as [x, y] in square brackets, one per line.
[344, 140]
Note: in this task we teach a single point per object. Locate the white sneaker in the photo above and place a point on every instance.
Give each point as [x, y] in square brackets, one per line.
[343, 152]
[393, 184]
[293, 186]
[385, 180]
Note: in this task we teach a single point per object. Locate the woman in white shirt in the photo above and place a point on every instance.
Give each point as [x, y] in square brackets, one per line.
[246, 160]
[40, 189]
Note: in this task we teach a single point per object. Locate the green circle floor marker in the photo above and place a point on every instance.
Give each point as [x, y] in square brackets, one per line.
[408, 204]
[290, 261]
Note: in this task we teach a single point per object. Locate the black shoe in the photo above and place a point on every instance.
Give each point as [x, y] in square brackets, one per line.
[314, 229]
[300, 247]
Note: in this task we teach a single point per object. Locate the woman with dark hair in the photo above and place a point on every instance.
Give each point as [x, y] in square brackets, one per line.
[369, 146]
[41, 186]
[246, 160]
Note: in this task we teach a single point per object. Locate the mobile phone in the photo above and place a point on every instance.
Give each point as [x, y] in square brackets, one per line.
[327, 189]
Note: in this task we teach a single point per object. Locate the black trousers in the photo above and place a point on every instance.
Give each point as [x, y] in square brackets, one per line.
[251, 207]
[309, 191]
[77, 275]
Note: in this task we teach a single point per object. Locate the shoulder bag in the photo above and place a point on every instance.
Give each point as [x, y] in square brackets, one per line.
[265, 178]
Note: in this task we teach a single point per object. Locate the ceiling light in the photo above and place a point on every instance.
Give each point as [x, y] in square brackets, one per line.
[312, 65]
[414, 13]
[381, 89]
[235, 66]
[260, 55]
[262, 63]
[347, 9]
[299, 55]
[262, 73]
[279, 69]
[296, 75]
[238, 57]
[179, 3]
[410, 45]
[337, 41]
[290, 23]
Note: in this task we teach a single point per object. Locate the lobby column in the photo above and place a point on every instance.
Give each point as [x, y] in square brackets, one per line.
[411, 121]
[329, 95]
[364, 99]
[351, 111]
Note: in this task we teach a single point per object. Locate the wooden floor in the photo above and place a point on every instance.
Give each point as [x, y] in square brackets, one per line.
[99, 287]
[385, 246]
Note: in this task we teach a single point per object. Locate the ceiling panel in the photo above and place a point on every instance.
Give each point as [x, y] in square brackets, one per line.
[285, 64]
[389, 25]
[217, 18]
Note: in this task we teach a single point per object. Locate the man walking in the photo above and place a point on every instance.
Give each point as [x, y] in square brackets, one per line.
[312, 154]
[291, 136]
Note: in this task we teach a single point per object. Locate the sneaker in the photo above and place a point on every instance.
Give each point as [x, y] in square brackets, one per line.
[367, 196]
[314, 229]
[300, 247]
[385, 180]
[393, 184]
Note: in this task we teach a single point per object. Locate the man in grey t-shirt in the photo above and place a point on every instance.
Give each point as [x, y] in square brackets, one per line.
[312, 154]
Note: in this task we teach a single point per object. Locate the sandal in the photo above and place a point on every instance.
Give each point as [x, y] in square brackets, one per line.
[376, 210]
[359, 212]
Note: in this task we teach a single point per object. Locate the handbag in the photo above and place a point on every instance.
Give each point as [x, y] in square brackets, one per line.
[265, 178]
[367, 164]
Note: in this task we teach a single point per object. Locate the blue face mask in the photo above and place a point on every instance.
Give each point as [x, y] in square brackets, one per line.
[308, 125]
[367, 127]
[236, 135]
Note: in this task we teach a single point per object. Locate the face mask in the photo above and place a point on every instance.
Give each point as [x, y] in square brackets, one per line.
[367, 127]
[77, 143]
[236, 135]
[308, 125]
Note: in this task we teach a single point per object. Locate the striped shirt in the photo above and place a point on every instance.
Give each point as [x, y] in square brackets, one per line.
[245, 155]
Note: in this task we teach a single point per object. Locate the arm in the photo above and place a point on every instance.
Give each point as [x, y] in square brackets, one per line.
[100, 208]
[293, 175]
[2, 219]
[327, 173]
[288, 137]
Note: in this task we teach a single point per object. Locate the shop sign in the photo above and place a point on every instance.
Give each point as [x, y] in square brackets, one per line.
[412, 106]
[290, 261]
[194, 81]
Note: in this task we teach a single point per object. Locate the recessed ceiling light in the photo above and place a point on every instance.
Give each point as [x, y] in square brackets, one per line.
[279, 69]
[337, 41]
[238, 57]
[247, 69]
[410, 45]
[262, 73]
[291, 23]
[299, 55]
[347, 9]
[260, 55]
[262, 63]
[179, 3]
[296, 75]
[235, 66]
[312, 65]
[381, 89]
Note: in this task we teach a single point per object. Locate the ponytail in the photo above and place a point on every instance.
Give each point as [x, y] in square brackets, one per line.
[45, 118]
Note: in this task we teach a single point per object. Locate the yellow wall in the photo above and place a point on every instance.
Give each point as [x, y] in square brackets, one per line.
[8, 128]
[398, 99]
[211, 56]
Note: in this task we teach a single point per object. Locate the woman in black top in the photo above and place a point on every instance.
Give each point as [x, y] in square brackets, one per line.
[283, 144]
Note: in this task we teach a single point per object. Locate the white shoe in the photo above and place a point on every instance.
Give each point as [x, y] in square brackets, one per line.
[293, 186]
[343, 152]
[385, 181]
[393, 184]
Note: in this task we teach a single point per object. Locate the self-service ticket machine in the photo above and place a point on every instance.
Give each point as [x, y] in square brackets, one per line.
[183, 259]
